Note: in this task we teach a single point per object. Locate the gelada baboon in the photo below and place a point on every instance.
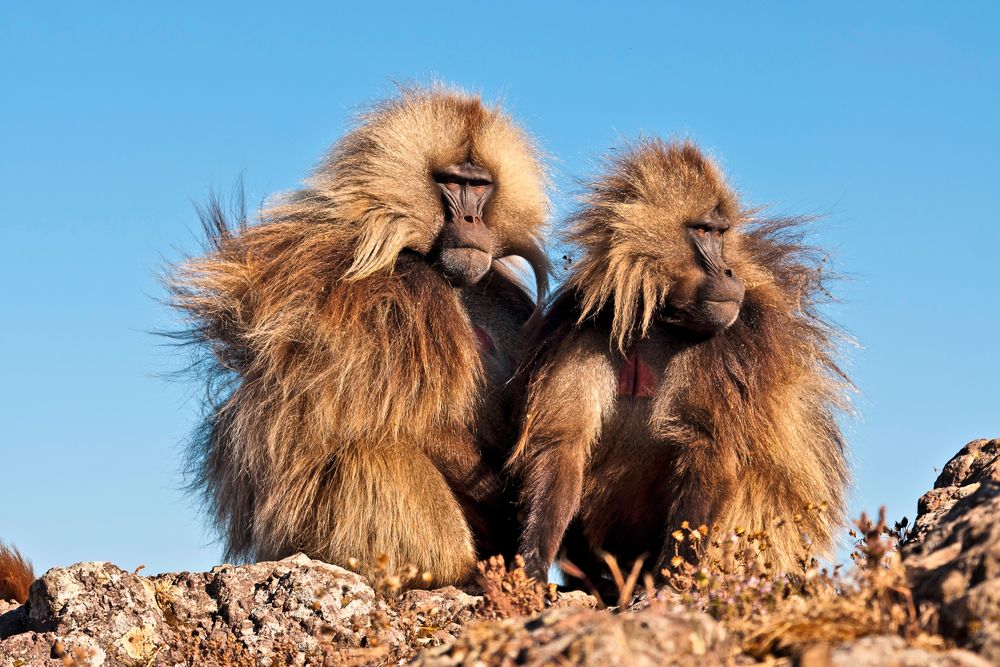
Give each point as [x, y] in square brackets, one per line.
[682, 373]
[364, 330]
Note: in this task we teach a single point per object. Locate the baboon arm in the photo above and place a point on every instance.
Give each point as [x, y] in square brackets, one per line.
[568, 400]
[402, 354]
[553, 486]
[324, 363]
[704, 480]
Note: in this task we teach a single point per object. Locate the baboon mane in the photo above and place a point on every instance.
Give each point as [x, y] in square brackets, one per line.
[328, 333]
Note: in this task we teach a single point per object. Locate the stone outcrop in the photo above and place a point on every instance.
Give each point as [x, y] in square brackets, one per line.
[650, 637]
[299, 611]
[954, 557]
[98, 614]
[291, 612]
[963, 475]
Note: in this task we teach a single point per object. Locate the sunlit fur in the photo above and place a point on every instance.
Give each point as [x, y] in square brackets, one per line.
[16, 574]
[747, 417]
[345, 372]
[628, 232]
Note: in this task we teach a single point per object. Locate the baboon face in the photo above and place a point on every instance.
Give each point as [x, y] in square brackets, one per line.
[661, 240]
[707, 296]
[465, 248]
[437, 174]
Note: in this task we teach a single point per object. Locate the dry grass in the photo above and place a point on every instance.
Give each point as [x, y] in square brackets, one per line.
[73, 657]
[770, 614]
[780, 614]
[390, 582]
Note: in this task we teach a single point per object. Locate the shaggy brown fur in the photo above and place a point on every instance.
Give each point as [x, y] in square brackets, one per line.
[357, 415]
[737, 429]
[16, 574]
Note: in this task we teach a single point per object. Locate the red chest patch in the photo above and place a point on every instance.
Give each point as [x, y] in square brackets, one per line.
[636, 378]
[485, 341]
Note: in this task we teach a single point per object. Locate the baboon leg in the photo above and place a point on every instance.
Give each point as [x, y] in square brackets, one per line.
[705, 482]
[565, 408]
[554, 485]
[392, 501]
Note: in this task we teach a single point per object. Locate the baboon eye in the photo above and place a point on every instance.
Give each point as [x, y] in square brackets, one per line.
[478, 189]
[454, 187]
[719, 232]
[700, 231]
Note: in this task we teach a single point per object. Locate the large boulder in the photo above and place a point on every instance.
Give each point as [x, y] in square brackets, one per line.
[296, 611]
[656, 635]
[284, 612]
[953, 559]
[977, 462]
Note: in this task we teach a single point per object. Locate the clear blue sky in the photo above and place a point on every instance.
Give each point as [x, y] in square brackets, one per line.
[113, 118]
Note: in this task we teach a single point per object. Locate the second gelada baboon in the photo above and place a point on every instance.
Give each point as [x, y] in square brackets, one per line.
[682, 373]
[362, 332]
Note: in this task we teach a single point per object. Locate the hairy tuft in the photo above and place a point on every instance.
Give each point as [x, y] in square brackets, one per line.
[16, 574]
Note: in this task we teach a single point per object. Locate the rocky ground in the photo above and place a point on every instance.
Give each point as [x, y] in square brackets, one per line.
[934, 602]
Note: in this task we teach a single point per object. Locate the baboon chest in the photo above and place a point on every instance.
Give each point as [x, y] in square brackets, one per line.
[623, 500]
[640, 369]
[484, 341]
[496, 325]
[630, 465]
[636, 377]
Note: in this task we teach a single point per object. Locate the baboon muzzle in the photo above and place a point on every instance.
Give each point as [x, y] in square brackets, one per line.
[466, 244]
[465, 254]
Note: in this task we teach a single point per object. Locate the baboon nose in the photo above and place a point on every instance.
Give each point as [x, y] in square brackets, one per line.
[729, 273]
[469, 218]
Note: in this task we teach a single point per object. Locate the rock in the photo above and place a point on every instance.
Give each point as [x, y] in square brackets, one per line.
[13, 619]
[265, 602]
[885, 651]
[457, 604]
[289, 611]
[299, 611]
[576, 599]
[977, 462]
[428, 618]
[954, 563]
[573, 635]
[29, 648]
[65, 600]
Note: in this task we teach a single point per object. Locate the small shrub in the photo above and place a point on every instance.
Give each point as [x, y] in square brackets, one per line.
[779, 613]
[511, 592]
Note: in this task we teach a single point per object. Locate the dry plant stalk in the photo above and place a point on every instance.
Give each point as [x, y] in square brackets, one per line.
[390, 581]
[511, 592]
[773, 612]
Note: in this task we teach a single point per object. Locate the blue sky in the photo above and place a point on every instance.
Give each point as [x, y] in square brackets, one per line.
[114, 118]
